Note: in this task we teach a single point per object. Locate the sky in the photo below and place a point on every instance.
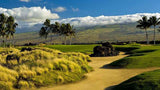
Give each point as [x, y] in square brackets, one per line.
[79, 12]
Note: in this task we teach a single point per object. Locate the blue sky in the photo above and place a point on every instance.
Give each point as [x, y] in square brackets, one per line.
[89, 7]
[79, 12]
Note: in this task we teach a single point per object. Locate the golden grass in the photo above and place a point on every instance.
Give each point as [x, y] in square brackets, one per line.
[40, 67]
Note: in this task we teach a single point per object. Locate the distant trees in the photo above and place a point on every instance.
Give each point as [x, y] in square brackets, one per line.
[146, 23]
[64, 30]
[7, 27]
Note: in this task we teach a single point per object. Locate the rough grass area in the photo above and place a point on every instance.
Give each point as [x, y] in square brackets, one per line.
[140, 57]
[40, 67]
[87, 49]
[146, 81]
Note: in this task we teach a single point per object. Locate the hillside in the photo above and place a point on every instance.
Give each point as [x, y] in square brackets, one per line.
[117, 32]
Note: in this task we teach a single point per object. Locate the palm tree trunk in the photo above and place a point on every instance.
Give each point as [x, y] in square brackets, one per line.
[51, 38]
[147, 36]
[65, 40]
[70, 40]
[154, 36]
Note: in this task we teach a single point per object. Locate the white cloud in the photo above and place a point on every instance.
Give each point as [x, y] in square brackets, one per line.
[75, 9]
[28, 17]
[25, 0]
[105, 20]
[59, 9]
[32, 14]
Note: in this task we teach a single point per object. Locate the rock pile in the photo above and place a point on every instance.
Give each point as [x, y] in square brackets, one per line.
[105, 50]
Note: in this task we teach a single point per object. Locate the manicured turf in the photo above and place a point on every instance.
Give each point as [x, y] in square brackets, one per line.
[145, 81]
[87, 49]
[143, 57]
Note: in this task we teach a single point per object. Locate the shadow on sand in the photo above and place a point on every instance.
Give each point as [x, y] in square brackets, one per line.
[110, 67]
[110, 88]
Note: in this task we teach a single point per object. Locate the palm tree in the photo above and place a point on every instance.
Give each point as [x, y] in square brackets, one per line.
[63, 32]
[3, 20]
[144, 24]
[43, 32]
[11, 25]
[54, 29]
[154, 21]
[47, 23]
[72, 33]
[7, 26]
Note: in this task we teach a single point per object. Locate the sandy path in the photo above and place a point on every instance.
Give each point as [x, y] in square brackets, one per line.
[101, 78]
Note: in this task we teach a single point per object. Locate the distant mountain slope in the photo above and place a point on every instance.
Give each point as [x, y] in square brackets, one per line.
[117, 32]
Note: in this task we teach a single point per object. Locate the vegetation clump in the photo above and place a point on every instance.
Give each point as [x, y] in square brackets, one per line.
[40, 67]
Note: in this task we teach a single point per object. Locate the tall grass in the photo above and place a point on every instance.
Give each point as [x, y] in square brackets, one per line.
[41, 67]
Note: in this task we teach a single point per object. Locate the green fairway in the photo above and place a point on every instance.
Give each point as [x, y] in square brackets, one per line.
[140, 57]
[87, 49]
[146, 81]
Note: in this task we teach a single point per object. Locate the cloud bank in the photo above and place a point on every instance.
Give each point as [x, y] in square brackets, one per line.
[59, 9]
[32, 14]
[105, 20]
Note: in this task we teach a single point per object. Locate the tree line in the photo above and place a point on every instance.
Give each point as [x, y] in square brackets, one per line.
[63, 30]
[146, 23]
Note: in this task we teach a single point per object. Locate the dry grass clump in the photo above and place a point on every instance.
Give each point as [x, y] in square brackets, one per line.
[66, 65]
[7, 78]
[8, 71]
[40, 67]
[23, 84]
[40, 70]
[5, 51]
[6, 85]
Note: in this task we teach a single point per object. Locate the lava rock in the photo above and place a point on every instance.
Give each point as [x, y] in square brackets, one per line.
[105, 50]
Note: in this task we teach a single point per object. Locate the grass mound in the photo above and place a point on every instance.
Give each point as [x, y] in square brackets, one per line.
[146, 81]
[40, 67]
[140, 57]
